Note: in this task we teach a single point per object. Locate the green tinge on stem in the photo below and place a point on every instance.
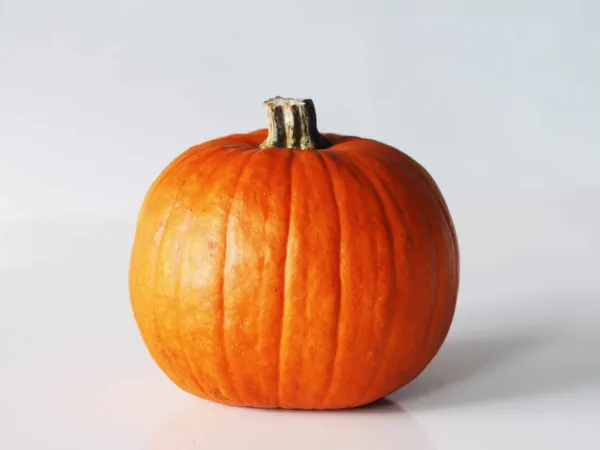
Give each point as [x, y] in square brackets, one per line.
[292, 123]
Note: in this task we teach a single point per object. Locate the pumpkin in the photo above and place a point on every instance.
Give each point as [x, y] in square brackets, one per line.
[284, 268]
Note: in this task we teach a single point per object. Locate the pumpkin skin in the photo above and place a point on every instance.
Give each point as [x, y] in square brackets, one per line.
[305, 279]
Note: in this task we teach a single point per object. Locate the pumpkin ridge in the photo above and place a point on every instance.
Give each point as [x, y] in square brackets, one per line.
[409, 238]
[173, 171]
[220, 151]
[284, 283]
[409, 188]
[339, 295]
[176, 277]
[260, 319]
[405, 168]
[394, 290]
[431, 190]
[446, 212]
[197, 384]
[222, 277]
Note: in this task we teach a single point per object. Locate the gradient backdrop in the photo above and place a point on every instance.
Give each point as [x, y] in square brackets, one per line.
[499, 100]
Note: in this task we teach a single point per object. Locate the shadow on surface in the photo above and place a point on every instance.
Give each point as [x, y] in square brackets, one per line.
[381, 406]
[205, 424]
[508, 364]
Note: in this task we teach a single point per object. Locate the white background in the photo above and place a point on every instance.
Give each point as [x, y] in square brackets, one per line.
[498, 100]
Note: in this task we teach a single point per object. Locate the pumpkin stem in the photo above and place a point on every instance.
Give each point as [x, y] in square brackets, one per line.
[292, 123]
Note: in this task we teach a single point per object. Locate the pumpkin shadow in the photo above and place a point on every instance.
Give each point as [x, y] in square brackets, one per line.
[202, 424]
[381, 406]
[506, 364]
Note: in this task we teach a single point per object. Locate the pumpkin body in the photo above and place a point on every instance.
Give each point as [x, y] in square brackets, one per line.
[275, 277]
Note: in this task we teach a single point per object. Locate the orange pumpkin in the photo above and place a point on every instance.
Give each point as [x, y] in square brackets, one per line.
[285, 268]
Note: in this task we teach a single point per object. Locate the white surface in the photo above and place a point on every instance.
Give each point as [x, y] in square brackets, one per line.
[520, 368]
[500, 103]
